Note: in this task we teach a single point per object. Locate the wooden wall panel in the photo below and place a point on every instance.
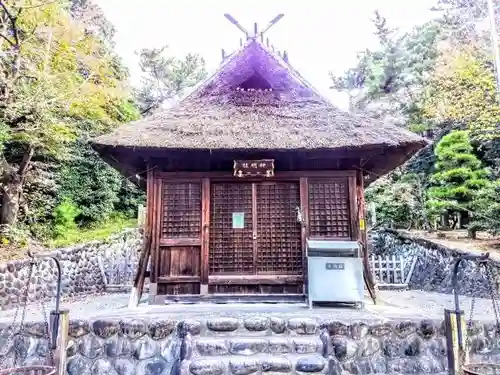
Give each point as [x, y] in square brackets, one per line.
[179, 261]
[179, 269]
[179, 236]
[181, 217]
[329, 208]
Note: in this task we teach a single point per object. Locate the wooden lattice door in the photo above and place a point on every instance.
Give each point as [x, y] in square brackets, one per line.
[254, 230]
[279, 240]
[231, 249]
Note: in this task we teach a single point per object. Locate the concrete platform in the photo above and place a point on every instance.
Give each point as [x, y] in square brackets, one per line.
[392, 305]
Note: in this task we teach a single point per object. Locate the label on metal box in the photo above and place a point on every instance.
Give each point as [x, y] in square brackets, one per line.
[335, 266]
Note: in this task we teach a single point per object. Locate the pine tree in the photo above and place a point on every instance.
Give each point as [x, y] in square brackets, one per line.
[458, 178]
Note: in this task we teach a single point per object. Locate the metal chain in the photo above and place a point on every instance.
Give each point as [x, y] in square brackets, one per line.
[494, 300]
[47, 331]
[469, 322]
[10, 344]
[25, 296]
[494, 296]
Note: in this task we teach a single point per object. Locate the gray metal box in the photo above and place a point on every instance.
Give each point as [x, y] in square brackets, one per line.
[335, 272]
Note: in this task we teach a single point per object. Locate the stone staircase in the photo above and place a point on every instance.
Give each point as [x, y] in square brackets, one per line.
[265, 345]
[228, 346]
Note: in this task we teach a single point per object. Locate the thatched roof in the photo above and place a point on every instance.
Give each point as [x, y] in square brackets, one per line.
[224, 112]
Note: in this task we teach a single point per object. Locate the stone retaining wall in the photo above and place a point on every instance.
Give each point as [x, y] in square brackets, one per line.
[260, 344]
[433, 270]
[81, 273]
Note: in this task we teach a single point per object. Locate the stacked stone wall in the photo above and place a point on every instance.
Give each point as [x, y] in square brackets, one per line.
[255, 345]
[81, 272]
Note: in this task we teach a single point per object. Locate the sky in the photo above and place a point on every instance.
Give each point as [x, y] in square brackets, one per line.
[321, 36]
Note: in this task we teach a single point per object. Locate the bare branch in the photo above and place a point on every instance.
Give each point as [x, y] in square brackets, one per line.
[8, 40]
[13, 21]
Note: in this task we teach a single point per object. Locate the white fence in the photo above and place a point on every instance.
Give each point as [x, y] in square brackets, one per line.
[392, 270]
[118, 268]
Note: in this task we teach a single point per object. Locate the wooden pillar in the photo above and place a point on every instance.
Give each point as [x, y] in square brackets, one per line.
[304, 208]
[205, 235]
[146, 253]
[156, 207]
[455, 339]
[60, 355]
[362, 237]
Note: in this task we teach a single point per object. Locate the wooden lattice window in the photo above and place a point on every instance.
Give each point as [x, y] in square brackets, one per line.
[181, 210]
[329, 209]
[231, 249]
[278, 232]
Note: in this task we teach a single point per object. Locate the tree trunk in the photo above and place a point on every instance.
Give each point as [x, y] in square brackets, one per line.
[11, 195]
[12, 188]
[445, 220]
[472, 234]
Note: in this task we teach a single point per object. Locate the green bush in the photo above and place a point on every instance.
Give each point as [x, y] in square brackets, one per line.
[64, 217]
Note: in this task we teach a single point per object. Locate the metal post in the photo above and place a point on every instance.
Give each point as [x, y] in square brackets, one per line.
[494, 41]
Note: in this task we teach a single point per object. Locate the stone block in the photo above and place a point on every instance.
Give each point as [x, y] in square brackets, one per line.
[310, 364]
[277, 325]
[133, 329]
[105, 328]
[247, 346]
[207, 367]
[303, 326]
[222, 324]
[243, 366]
[256, 324]
[280, 345]
[211, 347]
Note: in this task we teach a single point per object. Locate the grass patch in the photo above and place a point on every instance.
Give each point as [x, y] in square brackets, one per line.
[81, 235]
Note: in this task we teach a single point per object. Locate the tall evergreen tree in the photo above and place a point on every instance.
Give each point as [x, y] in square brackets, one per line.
[459, 177]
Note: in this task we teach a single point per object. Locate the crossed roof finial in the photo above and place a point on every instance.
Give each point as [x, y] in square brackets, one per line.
[256, 32]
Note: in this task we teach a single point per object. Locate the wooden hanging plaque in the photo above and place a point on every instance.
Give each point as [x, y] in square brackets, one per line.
[254, 168]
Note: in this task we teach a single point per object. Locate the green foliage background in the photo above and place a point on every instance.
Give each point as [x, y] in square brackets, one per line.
[438, 81]
[61, 83]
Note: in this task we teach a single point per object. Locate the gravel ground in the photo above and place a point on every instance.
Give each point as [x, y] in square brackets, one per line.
[391, 305]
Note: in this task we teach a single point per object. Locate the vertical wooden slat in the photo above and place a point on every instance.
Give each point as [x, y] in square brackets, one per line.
[155, 249]
[353, 204]
[205, 234]
[254, 227]
[304, 206]
[402, 268]
[149, 199]
[153, 209]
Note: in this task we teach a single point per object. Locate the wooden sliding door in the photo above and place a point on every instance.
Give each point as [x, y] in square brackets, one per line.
[255, 238]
